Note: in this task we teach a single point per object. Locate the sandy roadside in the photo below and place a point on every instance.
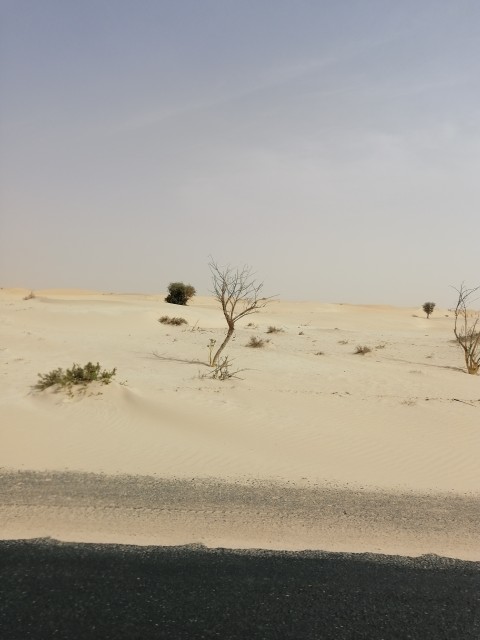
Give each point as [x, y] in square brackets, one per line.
[313, 447]
[152, 511]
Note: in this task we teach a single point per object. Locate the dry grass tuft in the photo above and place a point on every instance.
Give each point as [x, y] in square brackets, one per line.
[362, 350]
[274, 330]
[256, 343]
[173, 321]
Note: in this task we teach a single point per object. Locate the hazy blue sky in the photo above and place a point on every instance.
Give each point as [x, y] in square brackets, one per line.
[332, 145]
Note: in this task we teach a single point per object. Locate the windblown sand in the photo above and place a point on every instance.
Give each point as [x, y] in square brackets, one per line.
[313, 446]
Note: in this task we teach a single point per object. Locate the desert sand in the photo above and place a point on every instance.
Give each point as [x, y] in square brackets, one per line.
[311, 447]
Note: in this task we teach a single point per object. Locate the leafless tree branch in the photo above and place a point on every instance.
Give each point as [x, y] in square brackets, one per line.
[467, 328]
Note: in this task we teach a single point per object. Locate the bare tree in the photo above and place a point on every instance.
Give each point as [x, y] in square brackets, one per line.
[239, 294]
[467, 327]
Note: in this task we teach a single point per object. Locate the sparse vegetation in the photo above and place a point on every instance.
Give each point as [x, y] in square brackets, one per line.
[467, 328]
[239, 295]
[179, 293]
[173, 321]
[343, 342]
[211, 346]
[256, 343]
[30, 296]
[77, 375]
[272, 329]
[320, 353]
[362, 350]
[222, 371]
[428, 308]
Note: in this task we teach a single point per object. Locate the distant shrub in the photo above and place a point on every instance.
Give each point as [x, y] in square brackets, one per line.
[274, 330]
[428, 308]
[173, 321]
[30, 296]
[77, 375]
[343, 342]
[256, 343]
[320, 353]
[362, 350]
[179, 293]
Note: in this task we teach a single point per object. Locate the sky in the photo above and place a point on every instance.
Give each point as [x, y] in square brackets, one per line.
[333, 146]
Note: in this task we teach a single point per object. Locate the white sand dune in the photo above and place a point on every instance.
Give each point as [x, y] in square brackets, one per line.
[306, 411]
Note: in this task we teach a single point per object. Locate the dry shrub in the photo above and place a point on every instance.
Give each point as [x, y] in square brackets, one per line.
[256, 343]
[173, 321]
[466, 329]
[362, 350]
[222, 371]
[274, 330]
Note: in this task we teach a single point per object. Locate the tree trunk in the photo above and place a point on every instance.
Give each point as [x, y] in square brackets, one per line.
[231, 329]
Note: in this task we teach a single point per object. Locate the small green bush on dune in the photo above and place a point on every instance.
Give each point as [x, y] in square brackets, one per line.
[179, 293]
[77, 375]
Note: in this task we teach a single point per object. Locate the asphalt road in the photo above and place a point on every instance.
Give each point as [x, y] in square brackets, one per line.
[69, 591]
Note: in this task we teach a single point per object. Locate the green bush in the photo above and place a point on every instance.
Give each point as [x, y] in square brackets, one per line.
[77, 375]
[174, 321]
[179, 293]
[428, 308]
